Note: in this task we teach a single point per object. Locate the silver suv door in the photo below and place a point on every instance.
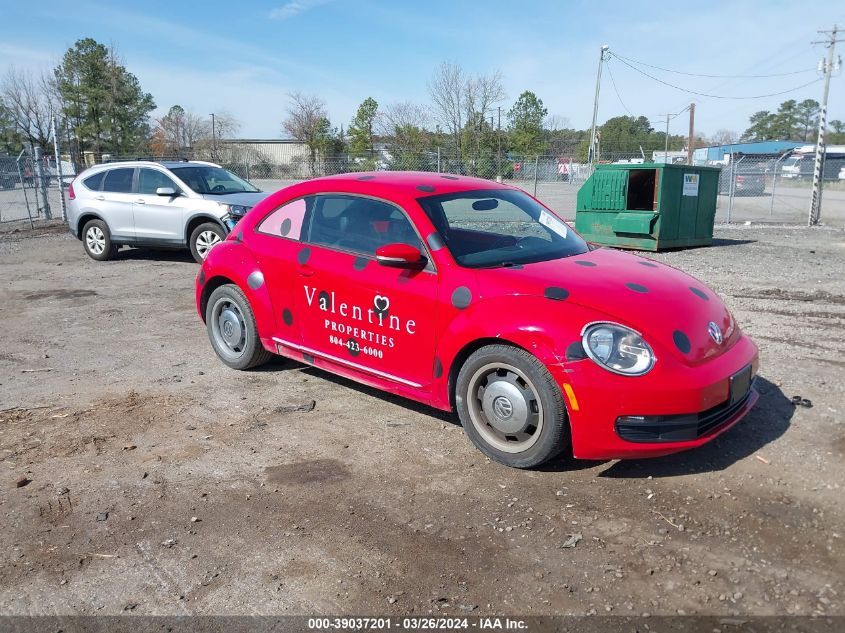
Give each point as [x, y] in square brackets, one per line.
[158, 218]
[114, 202]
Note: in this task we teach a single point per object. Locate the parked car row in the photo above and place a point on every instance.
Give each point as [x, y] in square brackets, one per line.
[461, 293]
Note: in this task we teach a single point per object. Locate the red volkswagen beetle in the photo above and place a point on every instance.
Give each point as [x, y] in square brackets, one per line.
[470, 295]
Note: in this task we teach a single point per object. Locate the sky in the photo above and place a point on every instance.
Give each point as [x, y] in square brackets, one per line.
[247, 57]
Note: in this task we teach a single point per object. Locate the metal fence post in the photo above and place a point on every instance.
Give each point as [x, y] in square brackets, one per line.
[731, 188]
[536, 173]
[438, 160]
[41, 182]
[23, 187]
[774, 185]
[59, 172]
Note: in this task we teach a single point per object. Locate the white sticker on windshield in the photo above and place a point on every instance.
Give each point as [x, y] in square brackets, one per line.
[554, 223]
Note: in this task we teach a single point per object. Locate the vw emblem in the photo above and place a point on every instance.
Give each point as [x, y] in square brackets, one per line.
[503, 408]
[715, 332]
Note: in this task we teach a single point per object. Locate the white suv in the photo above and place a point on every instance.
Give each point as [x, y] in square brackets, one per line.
[162, 204]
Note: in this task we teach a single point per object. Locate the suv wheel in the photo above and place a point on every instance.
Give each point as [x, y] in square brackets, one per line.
[205, 237]
[510, 407]
[96, 239]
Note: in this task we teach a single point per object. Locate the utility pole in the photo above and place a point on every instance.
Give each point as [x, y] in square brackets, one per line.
[591, 151]
[499, 149]
[666, 147]
[818, 167]
[691, 146]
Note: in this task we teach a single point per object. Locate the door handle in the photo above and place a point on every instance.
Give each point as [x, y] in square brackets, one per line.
[140, 201]
[305, 271]
[101, 198]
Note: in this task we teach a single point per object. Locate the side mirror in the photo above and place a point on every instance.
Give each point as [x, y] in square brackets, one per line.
[166, 191]
[400, 256]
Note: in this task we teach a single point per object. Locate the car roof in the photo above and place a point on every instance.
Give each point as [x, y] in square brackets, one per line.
[167, 164]
[412, 183]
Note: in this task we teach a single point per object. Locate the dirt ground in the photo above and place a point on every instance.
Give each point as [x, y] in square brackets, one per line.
[162, 482]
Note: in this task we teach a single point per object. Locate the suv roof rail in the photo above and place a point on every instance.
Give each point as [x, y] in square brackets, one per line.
[205, 162]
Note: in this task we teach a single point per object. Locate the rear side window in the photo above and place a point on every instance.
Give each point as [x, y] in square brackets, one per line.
[118, 180]
[286, 221]
[93, 182]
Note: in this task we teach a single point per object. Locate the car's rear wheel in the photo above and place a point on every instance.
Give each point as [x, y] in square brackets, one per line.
[205, 237]
[232, 329]
[96, 239]
[510, 406]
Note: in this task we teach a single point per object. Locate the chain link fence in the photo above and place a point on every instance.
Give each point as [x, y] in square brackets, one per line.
[751, 189]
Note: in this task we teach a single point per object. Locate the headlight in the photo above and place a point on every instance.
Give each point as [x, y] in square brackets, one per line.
[617, 348]
[235, 210]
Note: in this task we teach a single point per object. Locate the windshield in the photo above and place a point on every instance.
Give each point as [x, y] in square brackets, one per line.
[792, 160]
[212, 180]
[499, 227]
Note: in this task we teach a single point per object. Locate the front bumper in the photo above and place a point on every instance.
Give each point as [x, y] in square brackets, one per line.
[696, 399]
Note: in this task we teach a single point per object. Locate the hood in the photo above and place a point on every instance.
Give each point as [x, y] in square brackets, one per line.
[671, 309]
[246, 199]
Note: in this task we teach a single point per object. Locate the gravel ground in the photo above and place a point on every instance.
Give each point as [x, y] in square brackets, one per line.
[141, 475]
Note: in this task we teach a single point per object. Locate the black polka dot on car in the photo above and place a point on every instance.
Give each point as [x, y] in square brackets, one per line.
[287, 317]
[360, 263]
[352, 347]
[555, 293]
[255, 279]
[202, 277]
[308, 358]
[435, 242]
[438, 368]
[649, 264]
[461, 297]
[575, 351]
[681, 341]
[448, 177]
[240, 236]
[699, 293]
[636, 287]
[426, 188]
[584, 262]
[368, 177]
[285, 228]
[304, 255]
[324, 300]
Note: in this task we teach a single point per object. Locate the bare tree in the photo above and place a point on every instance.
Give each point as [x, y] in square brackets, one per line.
[307, 121]
[30, 103]
[724, 137]
[404, 125]
[481, 93]
[448, 91]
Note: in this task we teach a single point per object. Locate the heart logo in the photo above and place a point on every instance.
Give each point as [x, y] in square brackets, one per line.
[381, 303]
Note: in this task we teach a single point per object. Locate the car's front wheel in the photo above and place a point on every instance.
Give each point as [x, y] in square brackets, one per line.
[203, 238]
[96, 239]
[232, 329]
[510, 407]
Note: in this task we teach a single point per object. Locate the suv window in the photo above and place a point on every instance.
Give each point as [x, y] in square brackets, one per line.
[93, 182]
[357, 224]
[118, 180]
[151, 179]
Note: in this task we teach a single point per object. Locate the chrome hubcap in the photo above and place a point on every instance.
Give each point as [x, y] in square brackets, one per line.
[96, 240]
[228, 327]
[206, 241]
[504, 408]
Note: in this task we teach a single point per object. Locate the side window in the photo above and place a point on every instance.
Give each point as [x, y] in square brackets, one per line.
[151, 179]
[358, 224]
[286, 221]
[119, 180]
[93, 182]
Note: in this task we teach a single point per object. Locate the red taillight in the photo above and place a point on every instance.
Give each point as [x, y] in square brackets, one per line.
[70, 192]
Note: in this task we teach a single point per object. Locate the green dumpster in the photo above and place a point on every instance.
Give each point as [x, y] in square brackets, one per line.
[648, 206]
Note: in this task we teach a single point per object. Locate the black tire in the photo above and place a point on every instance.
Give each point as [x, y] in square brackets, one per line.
[200, 233]
[245, 353]
[546, 413]
[96, 240]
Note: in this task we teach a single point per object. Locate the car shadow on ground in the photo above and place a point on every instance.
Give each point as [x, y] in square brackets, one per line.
[724, 241]
[153, 254]
[769, 419]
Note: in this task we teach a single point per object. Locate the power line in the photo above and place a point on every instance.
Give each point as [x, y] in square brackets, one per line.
[680, 72]
[712, 96]
[616, 90]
